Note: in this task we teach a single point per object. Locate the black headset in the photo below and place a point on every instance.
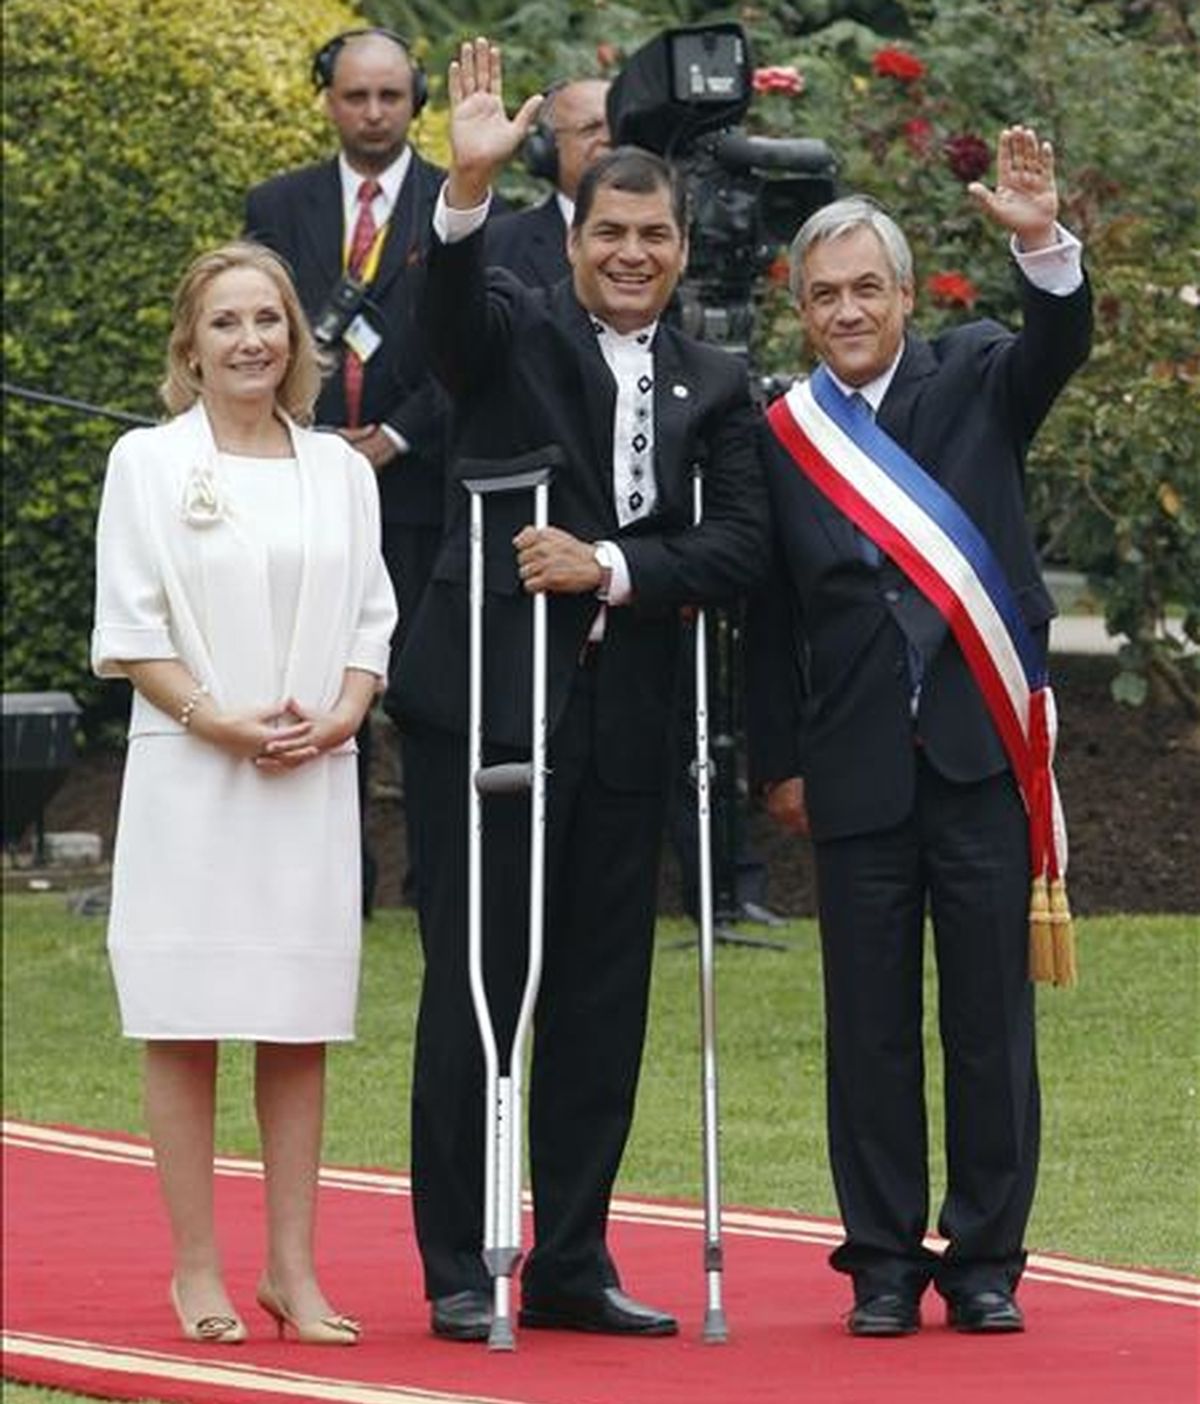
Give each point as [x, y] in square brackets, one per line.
[539, 150]
[325, 60]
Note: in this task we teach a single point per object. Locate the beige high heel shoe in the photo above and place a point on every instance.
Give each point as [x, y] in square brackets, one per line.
[321, 1330]
[216, 1329]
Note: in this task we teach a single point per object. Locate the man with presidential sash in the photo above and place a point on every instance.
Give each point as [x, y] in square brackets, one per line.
[900, 715]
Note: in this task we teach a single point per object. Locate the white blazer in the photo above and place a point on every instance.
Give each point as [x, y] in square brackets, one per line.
[177, 577]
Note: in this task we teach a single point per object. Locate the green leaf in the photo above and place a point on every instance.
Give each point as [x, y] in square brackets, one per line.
[1130, 689]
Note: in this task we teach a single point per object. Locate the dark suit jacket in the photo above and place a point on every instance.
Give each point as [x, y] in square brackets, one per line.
[299, 215]
[525, 371]
[829, 691]
[531, 243]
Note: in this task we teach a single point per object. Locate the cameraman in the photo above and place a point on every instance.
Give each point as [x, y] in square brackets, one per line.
[571, 132]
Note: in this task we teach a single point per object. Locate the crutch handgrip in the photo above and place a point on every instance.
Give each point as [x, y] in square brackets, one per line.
[524, 481]
[508, 778]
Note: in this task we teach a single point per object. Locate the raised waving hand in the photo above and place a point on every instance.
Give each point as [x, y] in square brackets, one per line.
[1025, 199]
[482, 136]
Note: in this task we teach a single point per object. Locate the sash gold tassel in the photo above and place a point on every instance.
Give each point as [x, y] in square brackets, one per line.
[1041, 937]
[1063, 932]
[1051, 934]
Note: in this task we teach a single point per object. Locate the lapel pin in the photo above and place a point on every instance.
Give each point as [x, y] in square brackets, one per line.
[679, 391]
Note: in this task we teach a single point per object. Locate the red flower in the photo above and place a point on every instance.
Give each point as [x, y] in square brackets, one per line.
[951, 290]
[777, 79]
[779, 271]
[898, 64]
[1109, 307]
[918, 133]
[968, 156]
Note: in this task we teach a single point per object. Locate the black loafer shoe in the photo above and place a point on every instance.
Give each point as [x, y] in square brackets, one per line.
[888, 1314]
[992, 1311]
[462, 1316]
[609, 1312]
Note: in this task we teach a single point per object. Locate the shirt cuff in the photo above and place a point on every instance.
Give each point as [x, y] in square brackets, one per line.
[1056, 269]
[115, 644]
[397, 438]
[451, 225]
[620, 589]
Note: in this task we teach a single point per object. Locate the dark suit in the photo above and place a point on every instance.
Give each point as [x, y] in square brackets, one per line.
[905, 810]
[532, 244]
[299, 214]
[525, 371]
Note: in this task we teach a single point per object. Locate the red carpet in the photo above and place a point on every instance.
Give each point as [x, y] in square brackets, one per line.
[86, 1265]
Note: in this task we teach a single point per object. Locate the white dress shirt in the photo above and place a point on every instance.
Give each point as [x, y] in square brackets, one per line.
[626, 357]
[390, 183]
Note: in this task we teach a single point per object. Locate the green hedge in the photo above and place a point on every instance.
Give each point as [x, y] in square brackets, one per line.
[131, 132]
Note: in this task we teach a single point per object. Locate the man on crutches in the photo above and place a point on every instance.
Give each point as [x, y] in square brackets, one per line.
[585, 373]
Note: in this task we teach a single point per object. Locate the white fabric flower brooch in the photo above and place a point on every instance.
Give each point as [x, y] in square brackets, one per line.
[203, 504]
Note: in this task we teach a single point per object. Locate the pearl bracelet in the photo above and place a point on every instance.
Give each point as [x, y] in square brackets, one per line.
[185, 712]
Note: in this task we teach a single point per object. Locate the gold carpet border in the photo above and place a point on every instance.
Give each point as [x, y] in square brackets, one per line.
[226, 1375]
[745, 1223]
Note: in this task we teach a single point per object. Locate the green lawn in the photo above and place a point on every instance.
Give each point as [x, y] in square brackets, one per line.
[1119, 1059]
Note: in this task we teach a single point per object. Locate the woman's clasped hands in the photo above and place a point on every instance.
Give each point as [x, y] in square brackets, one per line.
[285, 736]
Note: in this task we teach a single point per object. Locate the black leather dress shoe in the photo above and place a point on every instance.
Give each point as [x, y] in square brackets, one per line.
[462, 1316]
[609, 1312]
[992, 1311]
[887, 1314]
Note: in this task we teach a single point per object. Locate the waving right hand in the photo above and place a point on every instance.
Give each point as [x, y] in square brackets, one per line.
[482, 137]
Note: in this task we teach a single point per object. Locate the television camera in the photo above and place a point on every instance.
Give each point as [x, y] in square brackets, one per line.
[681, 95]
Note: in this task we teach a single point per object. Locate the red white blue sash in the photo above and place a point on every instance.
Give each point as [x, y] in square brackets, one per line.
[914, 520]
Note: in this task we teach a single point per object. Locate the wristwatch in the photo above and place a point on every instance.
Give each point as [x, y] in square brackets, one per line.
[602, 554]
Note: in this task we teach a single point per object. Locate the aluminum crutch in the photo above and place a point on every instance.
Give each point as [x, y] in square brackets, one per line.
[715, 1327]
[503, 1109]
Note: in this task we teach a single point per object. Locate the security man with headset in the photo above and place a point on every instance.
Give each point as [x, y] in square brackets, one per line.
[355, 232]
[570, 134]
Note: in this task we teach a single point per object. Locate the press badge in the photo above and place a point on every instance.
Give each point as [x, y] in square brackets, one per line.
[362, 338]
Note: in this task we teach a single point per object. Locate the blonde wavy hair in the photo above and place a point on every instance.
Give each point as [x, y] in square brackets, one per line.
[181, 387]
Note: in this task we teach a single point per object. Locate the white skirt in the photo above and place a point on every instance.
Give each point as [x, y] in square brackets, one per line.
[236, 903]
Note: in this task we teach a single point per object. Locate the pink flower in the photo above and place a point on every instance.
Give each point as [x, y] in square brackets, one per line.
[951, 290]
[607, 55]
[775, 79]
[968, 156]
[897, 63]
[918, 133]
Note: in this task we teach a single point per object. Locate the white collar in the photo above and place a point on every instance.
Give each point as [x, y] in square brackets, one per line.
[390, 180]
[874, 390]
[642, 336]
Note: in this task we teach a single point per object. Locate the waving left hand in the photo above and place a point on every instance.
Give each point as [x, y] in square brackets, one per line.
[1025, 199]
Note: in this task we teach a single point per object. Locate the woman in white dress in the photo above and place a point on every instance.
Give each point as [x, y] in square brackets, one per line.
[241, 589]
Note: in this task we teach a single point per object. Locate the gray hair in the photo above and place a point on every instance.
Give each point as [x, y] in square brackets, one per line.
[842, 217]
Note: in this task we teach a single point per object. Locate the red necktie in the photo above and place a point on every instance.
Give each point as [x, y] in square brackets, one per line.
[361, 242]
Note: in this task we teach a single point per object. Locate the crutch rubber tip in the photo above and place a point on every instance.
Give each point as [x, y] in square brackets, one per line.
[501, 1337]
[716, 1332]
